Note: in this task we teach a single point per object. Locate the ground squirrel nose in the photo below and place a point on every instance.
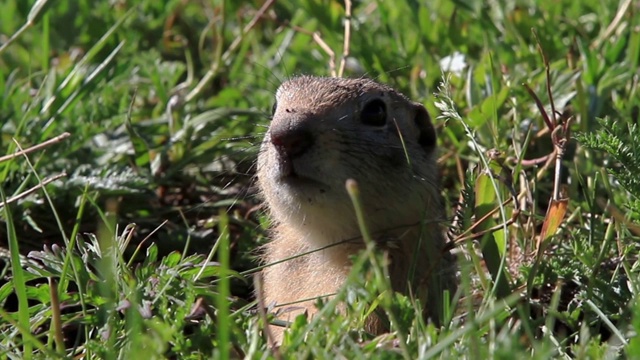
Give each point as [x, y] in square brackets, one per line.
[291, 142]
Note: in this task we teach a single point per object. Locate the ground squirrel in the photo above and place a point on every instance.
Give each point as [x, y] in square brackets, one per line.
[323, 132]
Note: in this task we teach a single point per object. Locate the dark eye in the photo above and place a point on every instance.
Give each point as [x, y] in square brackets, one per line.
[273, 108]
[374, 113]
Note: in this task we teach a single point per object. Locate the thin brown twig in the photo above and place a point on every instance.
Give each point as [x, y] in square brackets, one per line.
[537, 161]
[559, 137]
[459, 170]
[33, 189]
[549, 160]
[141, 243]
[480, 221]
[325, 47]
[622, 10]
[352, 240]
[213, 70]
[332, 55]
[559, 134]
[56, 321]
[540, 106]
[498, 227]
[236, 42]
[36, 147]
[347, 37]
[544, 168]
[547, 69]
[257, 280]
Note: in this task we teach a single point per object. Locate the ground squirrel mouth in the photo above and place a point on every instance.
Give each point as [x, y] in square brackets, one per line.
[285, 167]
[296, 180]
[287, 175]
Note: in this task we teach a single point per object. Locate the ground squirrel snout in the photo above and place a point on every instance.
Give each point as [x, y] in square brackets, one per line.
[323, 132]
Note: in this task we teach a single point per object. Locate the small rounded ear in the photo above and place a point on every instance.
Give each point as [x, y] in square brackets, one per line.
[426, 131]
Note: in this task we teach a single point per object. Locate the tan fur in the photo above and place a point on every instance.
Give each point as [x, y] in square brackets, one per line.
[397, 178]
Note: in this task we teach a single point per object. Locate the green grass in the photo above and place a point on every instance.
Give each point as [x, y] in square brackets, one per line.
[142, 223]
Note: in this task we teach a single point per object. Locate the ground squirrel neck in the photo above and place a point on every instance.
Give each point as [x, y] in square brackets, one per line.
[323, 132]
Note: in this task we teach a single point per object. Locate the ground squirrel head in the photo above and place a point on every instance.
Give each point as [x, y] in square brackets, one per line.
[327, 130]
